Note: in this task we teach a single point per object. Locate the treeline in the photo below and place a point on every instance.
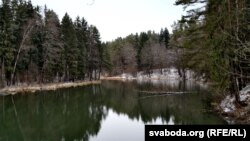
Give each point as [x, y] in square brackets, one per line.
[140, 52]
[36, 47]
[216, 37]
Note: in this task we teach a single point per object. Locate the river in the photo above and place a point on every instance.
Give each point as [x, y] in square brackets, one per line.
[111, 111]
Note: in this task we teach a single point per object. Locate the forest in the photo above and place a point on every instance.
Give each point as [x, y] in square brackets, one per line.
[216, 37]
[36, 47]
[140, 52]
[213, 40]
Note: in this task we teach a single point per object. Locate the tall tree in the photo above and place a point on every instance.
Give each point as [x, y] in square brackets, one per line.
[221, 26]
[7, 46]
[164, 37]
[143, 38]
[26, 20]
[81, 27]
[47, 38]
[71, 52]
[94, 53]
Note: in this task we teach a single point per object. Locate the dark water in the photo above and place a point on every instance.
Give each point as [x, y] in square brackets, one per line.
[111, 111]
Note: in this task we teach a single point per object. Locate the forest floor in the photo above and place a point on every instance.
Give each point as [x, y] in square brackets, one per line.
[43, 87]
[234, 113]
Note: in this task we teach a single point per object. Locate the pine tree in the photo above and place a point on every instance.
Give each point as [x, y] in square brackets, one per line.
[71, 52]
[25, 22]
[33, 49]
[47, 39]
[81, 27]
[94, 53]
[143, 38]
[164, 37]
[7, 46]
[221, 27]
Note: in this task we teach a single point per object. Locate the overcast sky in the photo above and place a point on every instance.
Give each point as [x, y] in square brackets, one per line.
[119, 18]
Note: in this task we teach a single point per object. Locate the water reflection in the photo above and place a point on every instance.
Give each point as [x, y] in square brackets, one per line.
[99, 112]
[50, 116]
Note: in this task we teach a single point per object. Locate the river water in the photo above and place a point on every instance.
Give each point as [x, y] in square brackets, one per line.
[111, 111]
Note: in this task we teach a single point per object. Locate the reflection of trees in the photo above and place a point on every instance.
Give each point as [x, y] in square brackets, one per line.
[76, 114]
[64, 114]
[186, 109]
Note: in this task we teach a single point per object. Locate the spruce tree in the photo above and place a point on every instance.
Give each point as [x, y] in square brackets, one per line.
[81, 28]
[71, 52]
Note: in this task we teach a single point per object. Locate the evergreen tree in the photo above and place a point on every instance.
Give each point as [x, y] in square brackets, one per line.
[27, 19]
[143, 38]
[164, 37]
[71, 52]
[53, 45]
[47, 39]
[223, 39]
[7, 42]
[94, 53]
[33, 49]
[81, 27]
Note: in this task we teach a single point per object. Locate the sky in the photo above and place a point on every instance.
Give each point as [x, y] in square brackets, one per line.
[119, 18]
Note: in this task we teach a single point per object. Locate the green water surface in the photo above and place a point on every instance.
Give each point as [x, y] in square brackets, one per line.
[111, 111]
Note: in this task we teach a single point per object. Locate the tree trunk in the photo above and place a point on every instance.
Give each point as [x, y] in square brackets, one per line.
[184, 73]
[99, 76]
[179, 71]
[26, 33]
[95, 75]
[3, 83]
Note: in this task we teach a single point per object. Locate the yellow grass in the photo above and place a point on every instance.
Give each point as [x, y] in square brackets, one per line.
[52, 86]
[112, 78]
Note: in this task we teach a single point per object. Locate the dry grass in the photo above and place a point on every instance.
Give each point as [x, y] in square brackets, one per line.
[113, 78]
[52, 86]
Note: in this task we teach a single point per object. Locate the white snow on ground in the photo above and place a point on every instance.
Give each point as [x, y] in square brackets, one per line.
[157, 74]
[245, 94]
[160, 76]
[228, 103]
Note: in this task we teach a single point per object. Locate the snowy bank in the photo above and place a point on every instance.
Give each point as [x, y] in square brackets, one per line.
[156, 74]
[168, 75]
[229, 106]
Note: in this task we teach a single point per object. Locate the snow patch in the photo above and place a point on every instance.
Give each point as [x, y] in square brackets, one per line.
[157, 74]
[245, 94]
[227, 104]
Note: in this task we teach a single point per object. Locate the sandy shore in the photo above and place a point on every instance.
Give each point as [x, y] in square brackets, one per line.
[52, 86]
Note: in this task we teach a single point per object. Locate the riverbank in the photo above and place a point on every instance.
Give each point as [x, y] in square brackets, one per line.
[226, 107]
[155, 74]
[44, 87]
[234, 113]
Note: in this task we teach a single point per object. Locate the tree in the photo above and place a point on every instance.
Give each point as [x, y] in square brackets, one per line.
[143, 38]
[139, 52]
[26, 20]
[47, 38]
[94, 53]
[81, 27]
[127, 57]
[221, 30]
[37, 49]
[70, 50]
[7, 41]
[164, 37]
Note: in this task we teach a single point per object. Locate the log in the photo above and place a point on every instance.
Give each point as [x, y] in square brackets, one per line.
[149, 94]
[163, 92]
